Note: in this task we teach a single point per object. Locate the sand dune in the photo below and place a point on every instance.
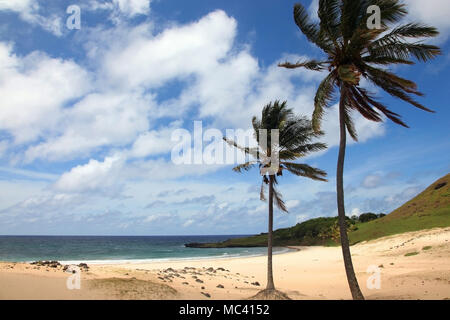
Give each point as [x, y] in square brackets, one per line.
[407, 271]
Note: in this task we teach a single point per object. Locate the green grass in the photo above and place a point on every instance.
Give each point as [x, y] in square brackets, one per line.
[386, 227]
[318, 231]
[427, 248]
[429, 209]
[409, 254]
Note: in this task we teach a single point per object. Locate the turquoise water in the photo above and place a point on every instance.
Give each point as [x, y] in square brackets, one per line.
[115, 249]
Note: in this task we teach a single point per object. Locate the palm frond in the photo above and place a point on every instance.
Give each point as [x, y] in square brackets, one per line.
[404, 50]
[304, 170]
[395, 90]
[302, 151]
[279, 202]
[323, 98]
[329, 14]
[352, 12]
[382, 60]
[307, 64]
[395, 117]
[410, 30]
[309, 28]
[392, 11]
[349, 124]
[262, 195]
[244, 166]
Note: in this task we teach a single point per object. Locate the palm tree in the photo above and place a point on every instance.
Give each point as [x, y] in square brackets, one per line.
[295, 140]
[353, 51]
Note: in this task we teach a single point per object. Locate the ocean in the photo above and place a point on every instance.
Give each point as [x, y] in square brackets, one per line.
[116, 249]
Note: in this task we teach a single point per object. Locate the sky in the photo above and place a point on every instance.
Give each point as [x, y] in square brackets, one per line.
[87, 116]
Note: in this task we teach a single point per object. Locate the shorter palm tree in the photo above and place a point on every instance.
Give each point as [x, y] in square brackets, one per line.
[296, 139]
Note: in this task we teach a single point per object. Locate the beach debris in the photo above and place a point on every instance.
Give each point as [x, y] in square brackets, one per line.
[220, 286]
[256, 283]
[220, 269]
[198, 280]
[186, 283]
[203, 288]
[380, 266]
[210, 269]
[206, 294]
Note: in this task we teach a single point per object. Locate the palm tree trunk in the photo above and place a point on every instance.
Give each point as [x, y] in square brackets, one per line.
[351, 277]
[270, 284]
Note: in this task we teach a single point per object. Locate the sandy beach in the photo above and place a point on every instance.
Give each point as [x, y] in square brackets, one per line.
[413, 265]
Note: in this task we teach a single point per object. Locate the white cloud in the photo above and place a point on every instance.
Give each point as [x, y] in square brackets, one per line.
[133, 7]
[158, 217]
[175, 53]
[93, 177]
[292, 203]
[28, 11]
[154, 142]
[301, 217]
[130, 8]
[99, 119]
[34, 89]
[355, 212]
[372, 181]
[18, 5]
[188, 223]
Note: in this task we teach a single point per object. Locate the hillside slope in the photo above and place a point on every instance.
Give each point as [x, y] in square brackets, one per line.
[318, 231]
[429, 209]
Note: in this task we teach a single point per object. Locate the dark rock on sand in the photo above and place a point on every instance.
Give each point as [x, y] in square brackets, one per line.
[83, 266]
[51, 264]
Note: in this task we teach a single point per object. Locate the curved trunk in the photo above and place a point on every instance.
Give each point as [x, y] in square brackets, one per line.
[351, 277]
[270, 284]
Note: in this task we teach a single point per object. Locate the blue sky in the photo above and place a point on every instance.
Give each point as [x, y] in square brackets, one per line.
[87, 115]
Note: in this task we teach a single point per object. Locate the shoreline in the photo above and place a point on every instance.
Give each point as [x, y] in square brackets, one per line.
[108, 262]
[315, 273]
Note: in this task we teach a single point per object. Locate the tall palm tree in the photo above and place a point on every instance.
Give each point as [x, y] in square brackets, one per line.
[296, 139]
[353, 50]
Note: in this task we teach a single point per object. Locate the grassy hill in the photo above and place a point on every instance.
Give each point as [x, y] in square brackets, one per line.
[429, 209]
[319, 231]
